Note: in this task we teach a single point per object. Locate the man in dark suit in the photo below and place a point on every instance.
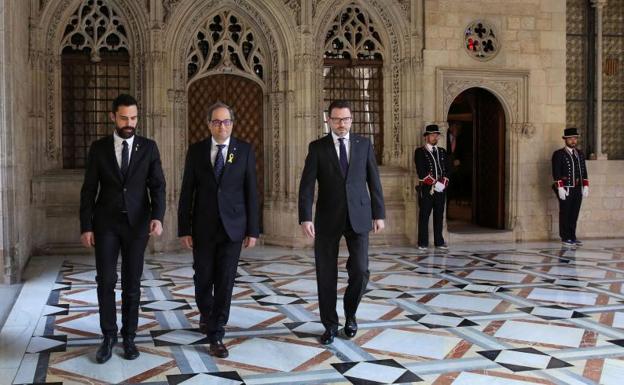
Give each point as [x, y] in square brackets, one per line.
[217, 215]
[433, 169]
[571, 185]
[122, 203]
[350, 204]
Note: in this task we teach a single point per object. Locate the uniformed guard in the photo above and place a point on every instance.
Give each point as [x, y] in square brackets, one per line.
[570, 185]
[433, 168]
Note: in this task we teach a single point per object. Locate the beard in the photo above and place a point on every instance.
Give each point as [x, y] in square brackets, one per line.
[125, 132]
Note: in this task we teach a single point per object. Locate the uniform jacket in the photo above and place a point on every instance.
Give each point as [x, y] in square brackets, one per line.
[565, 166]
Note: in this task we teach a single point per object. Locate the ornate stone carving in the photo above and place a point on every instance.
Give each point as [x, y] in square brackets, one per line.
[295, 8]
[352, 35]
[168, 7]
[524, 129]
[225, 43]
[95, 25]
[481, 40]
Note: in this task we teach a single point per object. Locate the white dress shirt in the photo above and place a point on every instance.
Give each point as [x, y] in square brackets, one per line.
[337, 144]
[214, 149]
[118, 141]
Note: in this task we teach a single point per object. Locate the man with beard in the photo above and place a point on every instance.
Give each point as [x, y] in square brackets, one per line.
[570, 184]
[217, 216]
[432, 167]
[122, 203]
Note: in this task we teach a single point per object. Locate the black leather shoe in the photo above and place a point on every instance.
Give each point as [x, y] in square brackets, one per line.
[130, 350]
[105, 351]
[328, 337]
[217, 349]
[350, 328]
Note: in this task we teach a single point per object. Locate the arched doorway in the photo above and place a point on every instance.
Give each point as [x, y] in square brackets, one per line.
[245, 97]
[476, 146]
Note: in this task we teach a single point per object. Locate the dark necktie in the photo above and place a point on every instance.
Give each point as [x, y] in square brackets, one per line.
[219, 162]
[124, 158]
[344, 162]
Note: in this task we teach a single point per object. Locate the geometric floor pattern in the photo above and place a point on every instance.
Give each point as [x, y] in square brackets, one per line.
[472, 316]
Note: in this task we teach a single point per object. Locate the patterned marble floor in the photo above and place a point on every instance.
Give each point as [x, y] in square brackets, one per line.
[482, 314]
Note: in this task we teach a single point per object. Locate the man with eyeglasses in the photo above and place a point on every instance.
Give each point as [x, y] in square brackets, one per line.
[350, 204]
[217, 216]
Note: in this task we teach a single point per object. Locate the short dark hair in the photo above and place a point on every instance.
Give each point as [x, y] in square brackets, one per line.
[216, 105]
[339, 103]
[123, 100]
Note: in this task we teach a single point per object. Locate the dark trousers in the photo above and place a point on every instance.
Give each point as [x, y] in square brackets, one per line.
[215, 260]
[326, 256]
[428, 202]
[120, 237]
[568, 213]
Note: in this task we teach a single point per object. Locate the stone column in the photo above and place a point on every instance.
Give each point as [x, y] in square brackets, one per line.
[599, 5]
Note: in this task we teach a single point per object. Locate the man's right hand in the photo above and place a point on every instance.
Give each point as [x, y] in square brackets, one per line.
[187, 242]
[562, 193]
[87, 239]
[307, 228]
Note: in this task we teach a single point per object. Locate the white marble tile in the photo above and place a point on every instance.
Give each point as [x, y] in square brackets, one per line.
[379, 266]
[207, 379]
[306, 286]
[413, 343]
[374, 372]
[164, 305]
[612, 372]
[577, 272]
[244, 317]
[91, 323]
[467, 378]
[88, 296]
[181, 337]
[500, 276]
[440, 319]
[278, 299]
[272, 354]
[154, 282]
[48, 310]
[408, 281]
[26, 371]
[523, 359]
[283, 268]
[445, 261]
[311, 328]
[519, 258]
[366, 310]
[183, 272]
[550, 312]
[463, 302]
[563, 296]
[618, 319]
[541, 333]
[116, 370]
[88, 276]
[187, 291]
[38, 344]
[590, 254]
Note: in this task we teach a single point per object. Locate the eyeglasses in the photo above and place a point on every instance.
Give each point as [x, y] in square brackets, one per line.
[217, 123]
[341, 120]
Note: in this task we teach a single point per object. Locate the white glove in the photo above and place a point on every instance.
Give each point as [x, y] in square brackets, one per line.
[585, 191]
[562, 193]
[439, 187]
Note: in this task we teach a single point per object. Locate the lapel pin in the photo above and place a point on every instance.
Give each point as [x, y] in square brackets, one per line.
[231, 157]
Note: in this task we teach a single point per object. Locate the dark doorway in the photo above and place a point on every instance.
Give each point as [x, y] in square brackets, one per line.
[476, 146]
[246, 99]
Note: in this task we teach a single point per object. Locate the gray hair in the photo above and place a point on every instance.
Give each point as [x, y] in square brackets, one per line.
[217, 105]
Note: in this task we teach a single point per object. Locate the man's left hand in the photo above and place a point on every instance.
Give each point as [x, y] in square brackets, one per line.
[249, 242]
[155, 227]
[378, 225]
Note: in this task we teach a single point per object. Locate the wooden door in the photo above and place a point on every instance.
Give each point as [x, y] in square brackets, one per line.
[246, 99]
[489, 189]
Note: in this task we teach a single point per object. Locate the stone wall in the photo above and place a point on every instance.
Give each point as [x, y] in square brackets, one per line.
[532, 36]
[16, 137]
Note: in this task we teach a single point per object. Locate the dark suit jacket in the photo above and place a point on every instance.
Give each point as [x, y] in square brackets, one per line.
[235, 199]
[566, 171]
[337, 195]
[104, 189]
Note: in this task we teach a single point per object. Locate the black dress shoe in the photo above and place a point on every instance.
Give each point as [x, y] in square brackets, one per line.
[217, 349]
[350, 328]
[105, 351]
[328, 337]
[130, 350]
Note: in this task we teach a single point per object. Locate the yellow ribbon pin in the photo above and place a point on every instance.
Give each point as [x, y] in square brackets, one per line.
[230, 158]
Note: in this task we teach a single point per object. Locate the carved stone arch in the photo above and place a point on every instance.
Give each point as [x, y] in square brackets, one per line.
[511, 88]
[392, 26]
[271, 25]
[47, 53]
